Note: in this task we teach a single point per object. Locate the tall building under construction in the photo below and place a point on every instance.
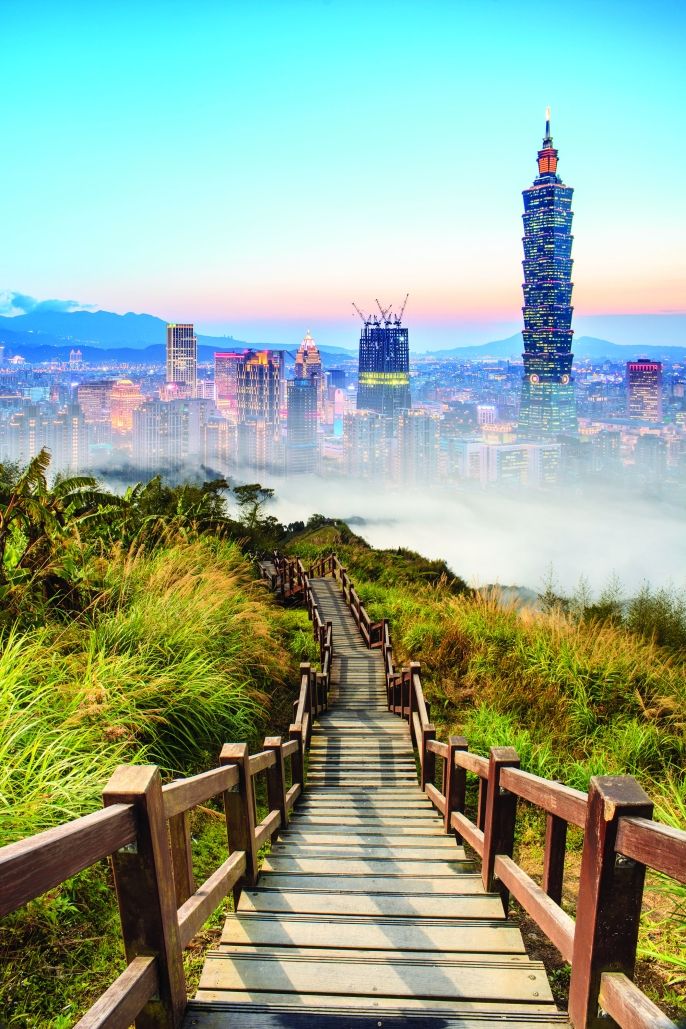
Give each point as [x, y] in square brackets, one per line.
[383, 383]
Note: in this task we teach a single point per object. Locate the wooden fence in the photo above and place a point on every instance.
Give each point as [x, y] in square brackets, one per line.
[144, 830]
[620, 841]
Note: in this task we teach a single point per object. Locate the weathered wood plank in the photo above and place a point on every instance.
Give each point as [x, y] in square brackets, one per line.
[410, 978]
[255, 1010]
[324, 867]
[377, 933]
[488, 906]
[377, 885]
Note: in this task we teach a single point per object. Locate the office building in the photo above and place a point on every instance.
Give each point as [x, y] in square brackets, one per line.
[383, 380]
[547, 407]
[182, 356]
[301, 426]
[125, 398]
[226, 382]
[644, 389]
[258, 376]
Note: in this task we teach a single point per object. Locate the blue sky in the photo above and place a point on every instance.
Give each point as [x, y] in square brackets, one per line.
[255, 167]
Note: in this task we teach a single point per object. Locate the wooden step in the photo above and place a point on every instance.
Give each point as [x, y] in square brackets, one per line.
[312, 902]
[376, 933]
[372, 867]
[375, 886]
[493, 980]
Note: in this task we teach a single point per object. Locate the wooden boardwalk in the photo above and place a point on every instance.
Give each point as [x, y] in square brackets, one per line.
[366, 912]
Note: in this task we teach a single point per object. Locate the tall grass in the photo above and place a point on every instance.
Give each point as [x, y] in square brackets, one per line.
[178, 654]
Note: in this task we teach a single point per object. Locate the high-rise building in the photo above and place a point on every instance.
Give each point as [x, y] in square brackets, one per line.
[308, 360]
[383, 381]
[95, 400]
[301, 426]
[547, 407]
[182, 356]
[257, 386]
[418, 448]
[226, 381]
[644, 389]
[367, 445]
[125, 398]
[170, 435]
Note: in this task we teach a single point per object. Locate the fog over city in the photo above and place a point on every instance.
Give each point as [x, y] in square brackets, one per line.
[511, 540]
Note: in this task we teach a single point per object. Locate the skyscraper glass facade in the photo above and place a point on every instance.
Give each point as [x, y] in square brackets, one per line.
[547, 403]
[384, 368]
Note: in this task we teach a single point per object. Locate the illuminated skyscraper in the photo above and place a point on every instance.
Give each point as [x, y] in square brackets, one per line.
[308, 365]
[226, 382]
[383, 383]
[182, 355]
[644, 389]
[548, 407]
[125, 398]
[257, 385]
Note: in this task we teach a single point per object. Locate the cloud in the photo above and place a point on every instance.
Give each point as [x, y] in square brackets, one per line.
[13, 304]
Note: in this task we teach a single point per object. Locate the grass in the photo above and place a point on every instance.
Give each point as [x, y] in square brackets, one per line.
[179, 651]
[576, 692]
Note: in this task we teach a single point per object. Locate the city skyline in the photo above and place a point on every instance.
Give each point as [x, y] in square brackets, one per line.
[266, 255]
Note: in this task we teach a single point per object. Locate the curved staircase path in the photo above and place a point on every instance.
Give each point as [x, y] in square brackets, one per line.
[366, 913]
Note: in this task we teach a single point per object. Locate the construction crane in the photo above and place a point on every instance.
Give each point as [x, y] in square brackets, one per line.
[385, 314]
[399, 318]
[365, 319]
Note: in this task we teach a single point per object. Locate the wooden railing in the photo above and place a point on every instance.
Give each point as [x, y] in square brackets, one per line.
[620, 841]
[144, 829]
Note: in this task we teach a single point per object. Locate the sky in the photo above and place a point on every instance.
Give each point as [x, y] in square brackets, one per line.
[255, 167]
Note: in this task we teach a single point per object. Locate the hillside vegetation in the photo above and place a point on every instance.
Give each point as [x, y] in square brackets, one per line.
[133, 630]
[579, 688]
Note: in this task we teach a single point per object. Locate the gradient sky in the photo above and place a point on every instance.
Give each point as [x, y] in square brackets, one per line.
[253, 167]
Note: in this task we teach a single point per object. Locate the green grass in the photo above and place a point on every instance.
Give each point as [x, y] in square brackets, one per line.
[576, 694]
[180, 651]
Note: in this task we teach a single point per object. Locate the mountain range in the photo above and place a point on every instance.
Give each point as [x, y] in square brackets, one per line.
[45, 334]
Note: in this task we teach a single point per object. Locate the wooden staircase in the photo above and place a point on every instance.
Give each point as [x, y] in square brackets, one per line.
[366, 912]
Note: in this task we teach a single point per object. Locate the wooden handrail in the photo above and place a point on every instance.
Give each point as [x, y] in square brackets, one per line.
[124, 1000]
[184, 794]
[37, 864]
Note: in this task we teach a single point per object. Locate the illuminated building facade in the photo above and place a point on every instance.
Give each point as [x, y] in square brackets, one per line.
[257, 386]
[125, 398]
[547, 407]
[644, 389]
[226, 382]
[383, 383]
[182, 356]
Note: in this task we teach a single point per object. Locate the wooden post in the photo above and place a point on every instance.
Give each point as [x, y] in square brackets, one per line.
[554, 856]
[610, 894]
[481, 803]
[276, 783]
[428, 759]
[182, 859]
[501, 808]
[454, 781]
[144, 882]
[239, 805]
[314, 707]
[295, 732]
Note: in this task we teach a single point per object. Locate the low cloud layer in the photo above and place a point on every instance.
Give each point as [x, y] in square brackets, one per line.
[488, 538]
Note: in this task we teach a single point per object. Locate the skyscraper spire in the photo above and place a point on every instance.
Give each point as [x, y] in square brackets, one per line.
[547, 155]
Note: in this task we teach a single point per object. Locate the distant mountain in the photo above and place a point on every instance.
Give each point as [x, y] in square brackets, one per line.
[585, 348]
[42, 335]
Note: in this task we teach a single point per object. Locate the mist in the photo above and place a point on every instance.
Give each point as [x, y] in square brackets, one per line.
[512, 540]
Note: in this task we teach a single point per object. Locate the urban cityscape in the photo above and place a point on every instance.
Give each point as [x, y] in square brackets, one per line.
[539, 420]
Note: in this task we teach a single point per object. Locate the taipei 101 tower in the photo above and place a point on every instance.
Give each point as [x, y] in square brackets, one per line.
[548, 408]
